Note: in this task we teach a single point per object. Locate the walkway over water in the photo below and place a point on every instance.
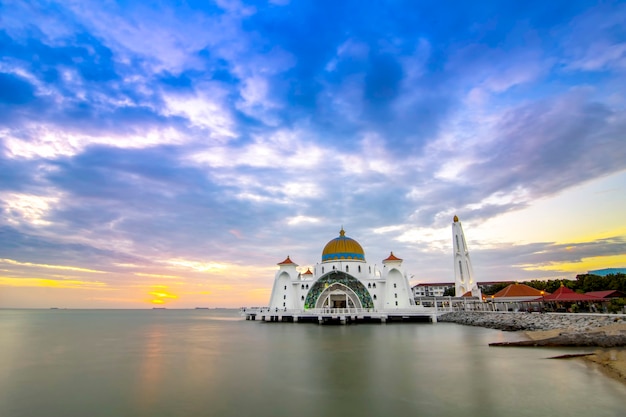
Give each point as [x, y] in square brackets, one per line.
[346, 315]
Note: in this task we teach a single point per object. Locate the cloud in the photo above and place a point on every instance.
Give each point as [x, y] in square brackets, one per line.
[62, 267]
[594, 40]
[51, 283]
[164, 141]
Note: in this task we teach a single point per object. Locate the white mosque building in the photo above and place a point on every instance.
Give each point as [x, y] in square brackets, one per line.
[344, 286]
[342, 280]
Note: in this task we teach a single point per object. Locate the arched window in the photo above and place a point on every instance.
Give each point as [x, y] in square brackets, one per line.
[347, 268]
[302, 287]
[374, 285]
[374, 296]
[302, 298]
[370, 269]
[333, 267]
[322, 270]
[369, 285]
[307, 286]
[461, 270]
[394, 285]
[359, 268]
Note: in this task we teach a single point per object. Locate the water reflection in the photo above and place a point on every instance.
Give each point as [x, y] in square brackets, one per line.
[150, 374]
[185, 363]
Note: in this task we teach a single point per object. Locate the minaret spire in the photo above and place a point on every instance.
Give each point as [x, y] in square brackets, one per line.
[463, 271]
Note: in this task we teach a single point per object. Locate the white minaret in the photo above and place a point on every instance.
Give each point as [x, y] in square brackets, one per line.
[463, 272]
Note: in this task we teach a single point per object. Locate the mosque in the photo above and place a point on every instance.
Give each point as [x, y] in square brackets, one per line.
[345, 287]
[344, 279]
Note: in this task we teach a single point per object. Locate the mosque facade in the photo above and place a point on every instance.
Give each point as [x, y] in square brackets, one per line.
[343, 279]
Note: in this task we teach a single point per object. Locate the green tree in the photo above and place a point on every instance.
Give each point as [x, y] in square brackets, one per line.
[492, 289]
[590, 282]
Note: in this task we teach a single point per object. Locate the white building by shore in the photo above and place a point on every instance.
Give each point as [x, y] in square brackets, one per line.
[343, 279]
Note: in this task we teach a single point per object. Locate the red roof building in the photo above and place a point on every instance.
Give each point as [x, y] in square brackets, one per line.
[606, 294]
[517, 292]
[567, 294]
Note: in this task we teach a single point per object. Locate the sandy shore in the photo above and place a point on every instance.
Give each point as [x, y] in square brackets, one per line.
[612, 362]
[612, 329]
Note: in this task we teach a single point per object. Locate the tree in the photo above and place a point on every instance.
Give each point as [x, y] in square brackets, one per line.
[492, 289]
[449, 292]
[590, 282]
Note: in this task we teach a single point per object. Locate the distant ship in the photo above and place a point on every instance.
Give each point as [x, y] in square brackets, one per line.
[202, 308]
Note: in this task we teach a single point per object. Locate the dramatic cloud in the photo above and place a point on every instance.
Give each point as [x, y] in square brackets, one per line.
[201, 143]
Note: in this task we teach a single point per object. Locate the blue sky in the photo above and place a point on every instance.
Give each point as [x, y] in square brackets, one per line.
[175, 152]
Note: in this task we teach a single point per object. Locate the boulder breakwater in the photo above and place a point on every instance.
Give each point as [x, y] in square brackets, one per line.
[532, 321]
[550, 329]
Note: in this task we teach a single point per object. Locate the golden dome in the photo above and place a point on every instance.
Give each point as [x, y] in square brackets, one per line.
[343, 248]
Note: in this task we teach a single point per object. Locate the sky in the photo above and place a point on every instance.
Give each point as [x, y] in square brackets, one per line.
[172, 153]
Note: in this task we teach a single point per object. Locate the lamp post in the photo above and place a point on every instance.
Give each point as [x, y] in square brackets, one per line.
[542, 301]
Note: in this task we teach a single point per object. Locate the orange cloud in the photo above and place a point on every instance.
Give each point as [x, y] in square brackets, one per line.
[52, 283]
[586, 264]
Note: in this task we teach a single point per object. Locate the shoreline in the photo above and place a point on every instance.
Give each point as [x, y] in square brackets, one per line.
[609, 361]
[605, 333]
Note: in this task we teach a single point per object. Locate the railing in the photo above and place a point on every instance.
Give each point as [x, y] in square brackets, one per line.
[345, 311]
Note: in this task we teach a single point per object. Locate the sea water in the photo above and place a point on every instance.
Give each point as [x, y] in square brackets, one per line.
[192, 363]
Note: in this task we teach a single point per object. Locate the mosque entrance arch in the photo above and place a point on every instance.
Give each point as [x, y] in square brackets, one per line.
[338, 296]
[338, 290]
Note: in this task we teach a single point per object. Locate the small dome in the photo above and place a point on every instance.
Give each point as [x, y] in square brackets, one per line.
[343, 248]
[287, 261]
[392, 258]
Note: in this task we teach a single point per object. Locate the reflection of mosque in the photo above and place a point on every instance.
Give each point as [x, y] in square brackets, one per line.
[344, 279]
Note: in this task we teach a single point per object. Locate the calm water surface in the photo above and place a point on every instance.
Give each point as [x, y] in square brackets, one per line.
[212, 363]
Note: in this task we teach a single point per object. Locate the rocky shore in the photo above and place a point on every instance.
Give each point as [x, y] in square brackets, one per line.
[570, 323]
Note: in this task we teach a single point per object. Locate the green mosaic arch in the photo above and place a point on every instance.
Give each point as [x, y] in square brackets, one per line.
[342, 278]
